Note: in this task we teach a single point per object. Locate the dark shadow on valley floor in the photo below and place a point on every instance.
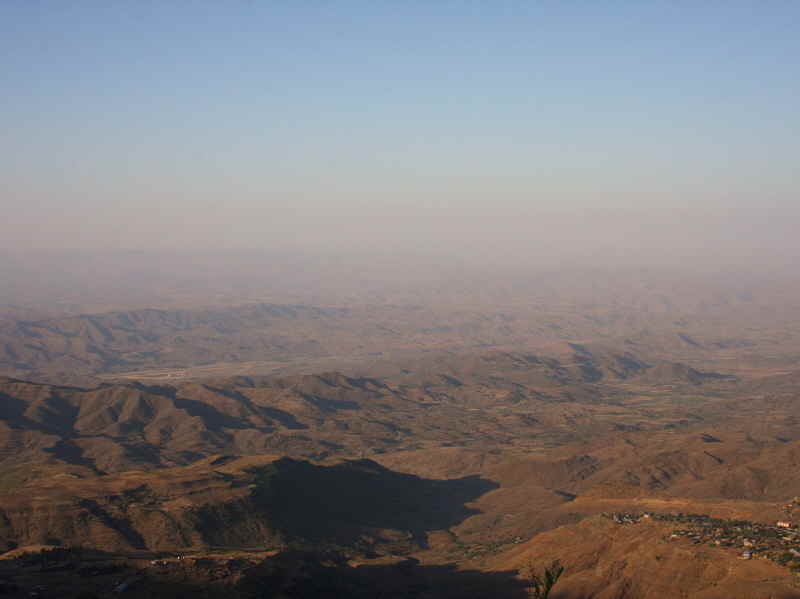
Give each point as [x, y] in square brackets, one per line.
[346, 503]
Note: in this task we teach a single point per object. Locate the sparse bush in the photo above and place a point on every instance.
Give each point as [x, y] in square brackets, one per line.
[541, 584]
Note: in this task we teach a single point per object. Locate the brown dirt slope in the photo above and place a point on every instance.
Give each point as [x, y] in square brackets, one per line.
[603, 560]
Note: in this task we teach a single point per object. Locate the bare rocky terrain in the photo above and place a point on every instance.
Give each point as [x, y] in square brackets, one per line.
[428, 449]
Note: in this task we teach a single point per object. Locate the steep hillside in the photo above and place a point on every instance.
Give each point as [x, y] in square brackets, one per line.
[608, 561]
[257, 502]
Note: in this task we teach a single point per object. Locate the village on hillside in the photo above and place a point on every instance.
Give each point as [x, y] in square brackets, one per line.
[779, 542]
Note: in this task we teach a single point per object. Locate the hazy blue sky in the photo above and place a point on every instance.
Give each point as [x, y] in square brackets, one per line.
[524, 125]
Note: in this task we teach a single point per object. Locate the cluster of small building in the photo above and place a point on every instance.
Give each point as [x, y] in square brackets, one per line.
[779, 542]
[627, 517]
[205, 568]
[110, 575]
